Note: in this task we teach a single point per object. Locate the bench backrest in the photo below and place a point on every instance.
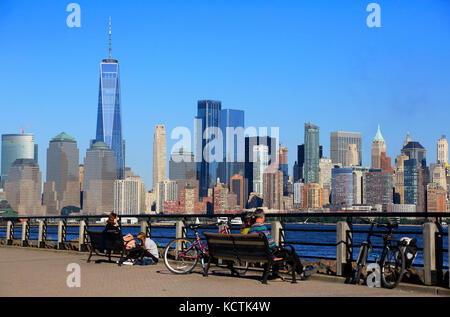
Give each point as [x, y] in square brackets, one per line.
[244, 247]
[102, 240]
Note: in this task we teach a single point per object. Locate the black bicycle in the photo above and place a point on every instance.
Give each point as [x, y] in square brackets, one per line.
[392, 258]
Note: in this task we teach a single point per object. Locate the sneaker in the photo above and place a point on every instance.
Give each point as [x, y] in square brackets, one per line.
[309, 270]
[128, 262]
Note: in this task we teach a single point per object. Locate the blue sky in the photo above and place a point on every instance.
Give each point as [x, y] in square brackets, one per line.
[283, 62]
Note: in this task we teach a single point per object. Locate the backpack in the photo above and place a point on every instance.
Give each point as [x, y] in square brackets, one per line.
[409, 248]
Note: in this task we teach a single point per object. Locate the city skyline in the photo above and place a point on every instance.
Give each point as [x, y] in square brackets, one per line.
[82, 88]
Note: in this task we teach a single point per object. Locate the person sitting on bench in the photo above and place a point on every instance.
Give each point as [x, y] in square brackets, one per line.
[279, 253]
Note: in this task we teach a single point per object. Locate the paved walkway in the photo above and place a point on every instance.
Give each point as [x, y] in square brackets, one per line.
[32, 272]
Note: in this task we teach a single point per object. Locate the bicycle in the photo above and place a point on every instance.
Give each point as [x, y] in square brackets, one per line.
[392, 259]
[181, 255]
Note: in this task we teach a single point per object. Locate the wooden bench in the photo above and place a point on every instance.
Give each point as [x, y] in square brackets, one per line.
[244, 248]
[104, 244]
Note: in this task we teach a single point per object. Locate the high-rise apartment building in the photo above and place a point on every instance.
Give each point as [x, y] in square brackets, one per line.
[260, 164]
[16, 146]
[168, 190]
[250, 143]
[436, 198]
[312, 154]
[129, 196]
[159, 155]
[273, 188]
[238, 185]
[311, 196]
[339, 142]
[378, 187]
[100, 172]
[109, 114]
[62, 187]
[23, 188]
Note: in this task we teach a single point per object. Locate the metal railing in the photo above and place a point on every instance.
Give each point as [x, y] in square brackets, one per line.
[284, 232]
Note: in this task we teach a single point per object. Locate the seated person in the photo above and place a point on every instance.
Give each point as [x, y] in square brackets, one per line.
[247, 221]
[112, 228]
[278, 252]
[147, 251]
[150, 248]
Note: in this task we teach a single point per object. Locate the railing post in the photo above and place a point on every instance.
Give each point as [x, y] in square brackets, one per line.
[342, 233]
[429, 253]
[9, 232]
[275, 232]
[61, 235]
[42, 236]
[179, 233]
[25, 233]
[145, 228]
[82, 236]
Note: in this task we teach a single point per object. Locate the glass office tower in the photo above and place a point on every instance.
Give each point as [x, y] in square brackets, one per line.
[109, 117]
[234, 156]
[312, 154]
[16, 146]
[208, 116]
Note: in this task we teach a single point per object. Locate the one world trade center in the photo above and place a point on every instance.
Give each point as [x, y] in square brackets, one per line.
[109, 118]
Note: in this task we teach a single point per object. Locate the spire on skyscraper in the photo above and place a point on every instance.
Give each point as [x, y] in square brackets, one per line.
[378, 136]
[109, 37]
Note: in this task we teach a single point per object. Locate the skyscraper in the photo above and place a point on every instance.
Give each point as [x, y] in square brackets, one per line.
[23, 188]
[182, 165]
[238, 185]
[312, 154]
[62, 188]
[159, 155]
[283, 166]
[16, 146]
[129, 196]
[414, 150]
[206, 130]
[442, 151]
[339, 142]
[109, 115]
[351, 156]
[378, 147]
[100, 172]
[273, 187]
[232, 126]
[260, 164]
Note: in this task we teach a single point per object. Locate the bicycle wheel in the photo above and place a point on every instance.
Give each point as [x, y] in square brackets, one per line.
[392, 267]
[360, 263]
[180, 256]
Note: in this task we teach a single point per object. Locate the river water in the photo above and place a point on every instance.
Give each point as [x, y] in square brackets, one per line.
[163, 235]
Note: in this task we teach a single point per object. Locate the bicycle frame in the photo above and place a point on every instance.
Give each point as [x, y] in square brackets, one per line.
[198, 243]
